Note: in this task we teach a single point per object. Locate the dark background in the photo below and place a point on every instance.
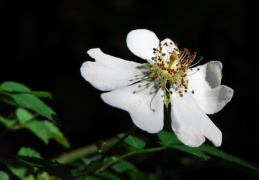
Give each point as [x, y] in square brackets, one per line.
[44, 44]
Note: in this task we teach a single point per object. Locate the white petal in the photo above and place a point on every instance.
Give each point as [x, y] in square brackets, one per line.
[143, 101]
[190, 123]
[208, 92]
[141, 43]
[168, 41]
[209, 74]
[109, 73]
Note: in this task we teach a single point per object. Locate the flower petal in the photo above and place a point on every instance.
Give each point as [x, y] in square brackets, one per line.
[170, 43]
[143, 101]
[208, 93]
[209, 75]
[109, 73]
[141, 43]
[190, 123]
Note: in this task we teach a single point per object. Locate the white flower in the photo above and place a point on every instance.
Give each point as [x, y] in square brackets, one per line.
[169, 76]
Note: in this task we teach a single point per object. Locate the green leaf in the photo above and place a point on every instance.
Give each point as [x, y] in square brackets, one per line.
[39, 129]
[11, 86]
[126, 167]
[89, 178]
[17, 169]
[31, 102]
[191, 150]
[108, 175]
[41, 94]
[23, 115]
[31, 177]
[8, 100]
[46, 130]
[218, 153]
[9, 123]
[4, 175]
[27, 151]
[53, 168]
[168, 138]
[123, 166]
[133, 141]
[56, 134]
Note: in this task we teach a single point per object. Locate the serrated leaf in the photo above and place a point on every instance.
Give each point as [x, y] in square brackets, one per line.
[23, 115]
[39, 129]
[46, 130]
[41, 94]
[56, 134]
[133, 141]
[218, 153]
[53, 168]
[11, 86]
[27, 151]
[4, 175]
[168, 138]
[31, 102]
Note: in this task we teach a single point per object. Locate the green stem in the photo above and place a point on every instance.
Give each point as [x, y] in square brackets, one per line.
[118, 143]
[91, 149]
[81, 152]
[107, 165]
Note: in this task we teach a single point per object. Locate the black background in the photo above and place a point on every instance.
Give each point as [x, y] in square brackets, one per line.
[44, 44]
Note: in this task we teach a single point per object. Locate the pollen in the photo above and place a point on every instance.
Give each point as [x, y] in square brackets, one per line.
[171, 67]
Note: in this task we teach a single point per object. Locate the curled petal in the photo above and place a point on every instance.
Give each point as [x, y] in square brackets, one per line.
[143, 101]
[190, 123]
[141, 43]
[109, 73]
[208, 74]
[204, 81]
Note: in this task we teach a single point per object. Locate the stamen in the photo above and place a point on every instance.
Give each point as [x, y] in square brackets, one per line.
[171, 68]
[150, 105]
[145, 87]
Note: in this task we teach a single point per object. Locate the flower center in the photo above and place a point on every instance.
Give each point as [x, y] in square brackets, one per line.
[171, 66]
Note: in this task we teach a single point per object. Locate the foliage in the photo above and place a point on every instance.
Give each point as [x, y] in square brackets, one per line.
[115, 159]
